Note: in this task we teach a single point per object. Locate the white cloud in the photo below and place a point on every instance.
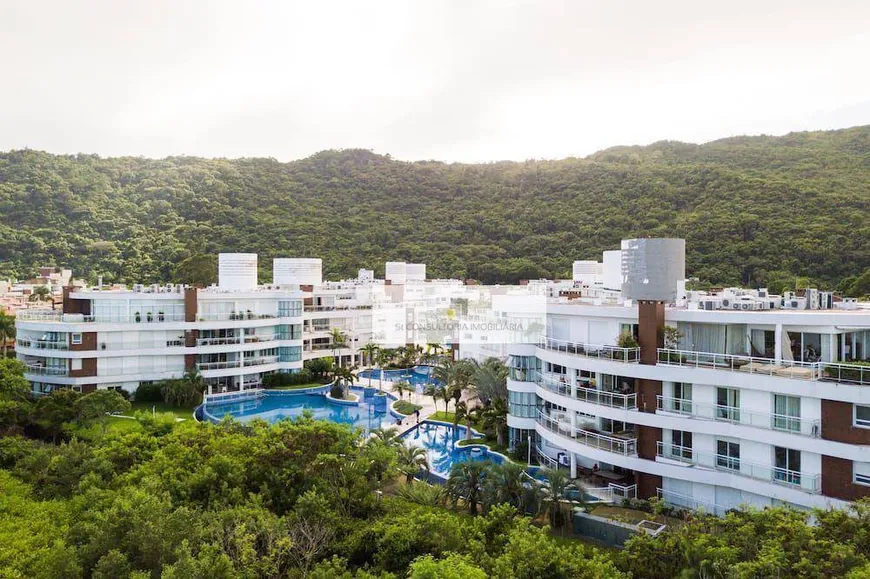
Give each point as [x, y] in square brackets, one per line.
[468, 81]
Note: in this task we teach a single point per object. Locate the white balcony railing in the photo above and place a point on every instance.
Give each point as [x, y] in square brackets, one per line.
[845, 373]
[615, 353]
[590, 395]
[732, 415]
[235, 316]
[253, 339]
[811, 483]
[626, 446]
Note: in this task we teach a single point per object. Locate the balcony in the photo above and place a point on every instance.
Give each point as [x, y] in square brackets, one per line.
[235, 316]
[811, 483]
[336, 308]
[253, 339]
[732, 415]
[841, 372]
[591, 395]
[260, 361]
[42, 344]
[55, 316]
[226, 341]
[46, 370]
[625, 445]
[204, 366]
[615, 353]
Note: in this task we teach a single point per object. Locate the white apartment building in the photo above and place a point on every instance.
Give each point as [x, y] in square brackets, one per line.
[756, 403]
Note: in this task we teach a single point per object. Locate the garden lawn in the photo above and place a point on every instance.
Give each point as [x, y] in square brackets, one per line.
[405, 407]
[185, 413]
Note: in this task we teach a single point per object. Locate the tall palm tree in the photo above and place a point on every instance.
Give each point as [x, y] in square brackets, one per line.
[455, 375]
[412, 459]
[402, 387]
[433, 349]
[557, 488]
[465, 482]
[432, 390]
[7, 329]
[339, 341]
[509, 483]
[495, 417]
[41, 293]
[345, 377]
[467, 414]
[370, 351]
[444, 394]
[489, 380]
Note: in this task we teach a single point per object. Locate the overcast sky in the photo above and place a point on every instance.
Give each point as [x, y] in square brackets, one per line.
[455, 81]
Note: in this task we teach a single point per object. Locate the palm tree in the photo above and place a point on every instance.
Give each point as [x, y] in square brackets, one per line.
[370, 351]
[495, 417]
[467, 414]
[557, 488]
[412, 459]
[432, 350]
[339, 341]
[7, 329]
[489, 380]
[432, 390]
[456, 376]
[41, 293]
[345, 377]
[465, 482]
[387, 436]
[401, 388]
[444, 395]
[509, 483]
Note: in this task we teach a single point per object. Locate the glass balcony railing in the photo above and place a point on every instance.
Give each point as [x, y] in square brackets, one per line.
[204, 366]
[811, 483]
[732, 415]
[41, 344]
[843, 372]
[46, 370]
[624, 445]
[626, 401]
[615, 353]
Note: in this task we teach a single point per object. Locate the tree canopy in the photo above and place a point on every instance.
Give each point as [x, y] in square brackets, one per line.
[754, 210]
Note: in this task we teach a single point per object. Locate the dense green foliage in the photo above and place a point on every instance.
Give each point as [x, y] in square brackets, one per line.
[298, 499]
[756, 210]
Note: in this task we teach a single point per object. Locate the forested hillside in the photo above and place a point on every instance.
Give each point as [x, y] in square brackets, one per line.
[752, 209]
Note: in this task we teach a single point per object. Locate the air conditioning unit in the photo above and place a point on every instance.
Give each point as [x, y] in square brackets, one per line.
[138, 287]
[726, 303]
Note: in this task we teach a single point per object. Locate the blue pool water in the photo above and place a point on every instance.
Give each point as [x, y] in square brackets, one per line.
[441, 444]
[274, 406]
[419, 376]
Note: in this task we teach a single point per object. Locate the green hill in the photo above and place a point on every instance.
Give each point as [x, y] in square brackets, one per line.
[753, 210]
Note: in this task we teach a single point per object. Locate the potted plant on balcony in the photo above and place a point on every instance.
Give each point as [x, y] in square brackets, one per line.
[160, 316]
[149, 316]
[138, 317]
[671, 337]
[250, 314]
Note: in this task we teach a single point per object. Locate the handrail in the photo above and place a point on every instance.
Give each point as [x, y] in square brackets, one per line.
[260, 360]
[738, 363]
[623, 446]
[615, 353]
[815, 371]
[225, 341]
[219, 365]
[810, 483]
[719, 413]
[686, 502]
[41, 344]
[46, 370]
[313, 308]
[590, 395]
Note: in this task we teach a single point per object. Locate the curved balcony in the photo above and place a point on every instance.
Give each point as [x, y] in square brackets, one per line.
[45, 370]
[732, 415]
[205, 366]
[626, 446]
[591, 395]
[41, 344]
[811, 483]
[615, 353]
[260, 361]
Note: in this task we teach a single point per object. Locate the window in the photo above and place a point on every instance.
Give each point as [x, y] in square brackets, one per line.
[862, 416]
[682, 397]
[787, 413]
[861, 473]
[76, 339]
[522, 404]
[681, 444]
[290, 308]
[728, 404]
[787, 465]
[728, 454]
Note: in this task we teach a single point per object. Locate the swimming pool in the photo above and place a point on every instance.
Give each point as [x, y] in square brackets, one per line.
[443, 451]
[274, 406]
[418, 376]
[441, 442]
